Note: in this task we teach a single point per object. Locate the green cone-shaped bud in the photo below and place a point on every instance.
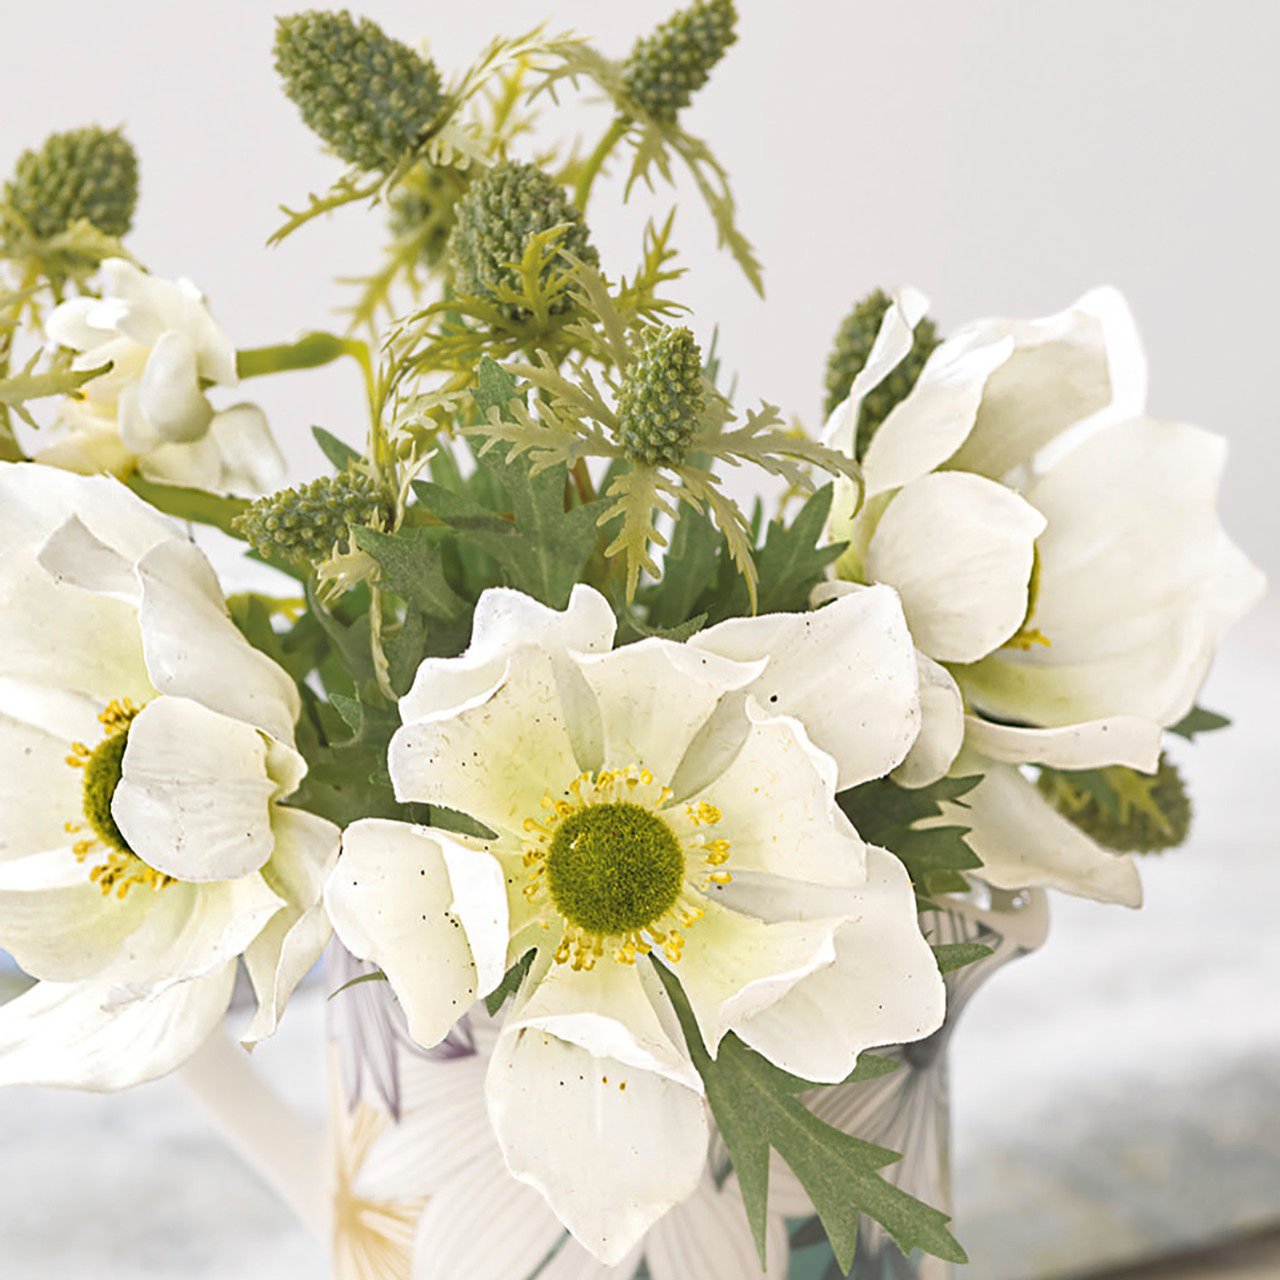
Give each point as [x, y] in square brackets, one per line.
[661, 398]
[852, 346]
[494, 221]
[87, 173]
[423, 205]
[368, 96]
[306, 524]
[1148, 812]
[668, 66]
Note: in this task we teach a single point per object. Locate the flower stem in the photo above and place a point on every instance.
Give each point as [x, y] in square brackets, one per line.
[595, 161]
[309, 352]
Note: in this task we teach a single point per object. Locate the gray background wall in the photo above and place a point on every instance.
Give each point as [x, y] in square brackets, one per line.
[1001, 155]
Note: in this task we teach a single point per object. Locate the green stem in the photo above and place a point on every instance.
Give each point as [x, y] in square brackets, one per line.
[309, 352]
[582, 192]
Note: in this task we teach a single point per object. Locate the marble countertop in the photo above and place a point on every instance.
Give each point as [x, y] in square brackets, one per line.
[1116, 1095]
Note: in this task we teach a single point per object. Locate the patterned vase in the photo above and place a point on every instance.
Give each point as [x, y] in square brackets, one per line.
[421, 1191]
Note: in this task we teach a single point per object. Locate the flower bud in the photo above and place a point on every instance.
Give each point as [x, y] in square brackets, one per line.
[88, 173]
[852, 346]
[668, 66]
[661, 398]
[307, 523]
[371, 98]
[494, 221]
[1150, 813]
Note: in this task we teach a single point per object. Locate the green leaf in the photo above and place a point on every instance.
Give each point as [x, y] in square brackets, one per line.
[689, 566]
[309, 352]
[190, 504]
[955, 955]
[376, 976]
[339, 452]
[26, 385]
[791, 562]
[888, 815]
[509, 985]
[412, 566]
[757, 1108]
[1198, 720]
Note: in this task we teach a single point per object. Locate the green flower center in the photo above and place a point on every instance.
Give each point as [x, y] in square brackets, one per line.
[102, 773]
[614, 868]
[120, 869]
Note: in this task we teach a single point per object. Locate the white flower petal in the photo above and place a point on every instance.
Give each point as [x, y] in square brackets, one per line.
[907, 308]
[941, 727]
[655, 695]
[610, 1147]
[959, 551]
[504, 621]
[252, 463]
[1064, 368]
[75, 555]
[606, 1011]
[1138, 581]
[170, 396]
[926, 428]
[80, 323]
[883, 987]
[1023, 843]
[734, 965]
[197, 465]
[708, 1236]
[1091, 745]
[56, 923]
[75, 1035]
[779, 809]
[33, 763]
[194, 650]
[306, 850]
[485, 1223]
[194, 794]
[390, 899]
[494, 759]
[847, 672]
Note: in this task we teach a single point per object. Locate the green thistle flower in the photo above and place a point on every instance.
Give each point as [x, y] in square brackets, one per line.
[371, 98]
[661, 398]
[88, 173]
[306, 524]
[1150, 812]
[423, 206]
[668, 66]
[494, 222]
[852, 346]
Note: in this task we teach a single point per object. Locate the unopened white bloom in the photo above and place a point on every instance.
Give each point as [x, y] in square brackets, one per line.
[666, 800]
[479, 1221]
[151, 409]
[1058, 550]
[145, 747]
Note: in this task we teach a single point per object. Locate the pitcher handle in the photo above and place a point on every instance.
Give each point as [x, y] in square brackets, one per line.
[284, 1148]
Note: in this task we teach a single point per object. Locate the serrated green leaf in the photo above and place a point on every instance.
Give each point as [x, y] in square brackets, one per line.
[412, 566]
[1198, 720]
[757, 1108]
[689, 566]
[955, 955]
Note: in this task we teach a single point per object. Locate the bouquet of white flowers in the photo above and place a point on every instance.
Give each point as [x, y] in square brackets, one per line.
[642, 821]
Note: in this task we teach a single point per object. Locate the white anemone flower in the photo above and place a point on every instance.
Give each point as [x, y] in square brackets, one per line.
[1058, 550]
[664, 801]
[150, 411]
[479, 1221]
[145, 747]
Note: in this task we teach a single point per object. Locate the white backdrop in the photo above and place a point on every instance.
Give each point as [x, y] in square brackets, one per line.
[1001, 155]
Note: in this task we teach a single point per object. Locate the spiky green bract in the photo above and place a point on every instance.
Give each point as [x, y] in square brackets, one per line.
[305, 524]
[495, 220]
[1123, 809]
[422, 210]
[668, 66]
[370, 97]
[661, 398]
[88, 174]
[853, 343]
